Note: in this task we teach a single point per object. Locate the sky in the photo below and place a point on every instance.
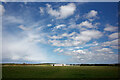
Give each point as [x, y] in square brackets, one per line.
[60, 0]
[60, 32]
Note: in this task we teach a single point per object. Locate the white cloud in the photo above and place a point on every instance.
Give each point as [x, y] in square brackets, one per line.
[64, 43]
[95, 57]
[2, 10]
[17, 48]
[75, 39]
[63, 12]
[58, 50]
[60, 26]
[74, 52]
[96, 24]
[49, 25]
[113, 36]
[113, 44]
[79, 51]
[77, 17]
[41, 10]
[60, 43]
[81, 38]
[92, 15]
[87, 35]
[24, 28]
[86, 24]
[55, 37]
[13, 19]
[110, 28]
[78, 47]
[114, 47]
[105, 50]
[36, 37]
[22, 46]
[85, 56]
[92, 44]
[62, 35]
[92, 33]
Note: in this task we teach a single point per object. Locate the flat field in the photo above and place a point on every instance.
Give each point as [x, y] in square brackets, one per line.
[60, 72]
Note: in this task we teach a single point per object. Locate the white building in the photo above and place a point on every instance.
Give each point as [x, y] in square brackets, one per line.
[66, 65]
[60, 65]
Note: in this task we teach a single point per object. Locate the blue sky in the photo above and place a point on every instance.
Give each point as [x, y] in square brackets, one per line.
[60, 32]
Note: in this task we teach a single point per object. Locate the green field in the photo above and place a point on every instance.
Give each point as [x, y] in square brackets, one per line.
[60, 72]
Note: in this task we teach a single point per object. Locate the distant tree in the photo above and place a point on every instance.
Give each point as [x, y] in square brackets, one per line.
[24, 63]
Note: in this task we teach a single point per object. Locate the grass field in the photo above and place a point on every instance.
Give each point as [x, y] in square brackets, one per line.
[60, 72]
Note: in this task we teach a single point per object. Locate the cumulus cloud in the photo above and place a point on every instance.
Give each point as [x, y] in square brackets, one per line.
[87, 35]
[115, 47]
[49, 25]
[60, 26]
[61, 43]
[113, 36]
[79, 51]
[58, 50]
[22, 46]
[74, 52]
[63, 11]
[75, 39]
[86, 56]
[92, 15]
[64, 43]
[110, 28]
[108, 43]
[113, 44]
[41, 10]
[105, 50]
[92, 58]
[78, 47]
[92, 33]
[62, 35]
[92, 44]
[55, 37]
[2, 10]
[36, 37]
[16, 48]
[86, 24]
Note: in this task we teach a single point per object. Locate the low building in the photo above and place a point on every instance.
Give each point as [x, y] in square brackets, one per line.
[66, 64]
[60, 65]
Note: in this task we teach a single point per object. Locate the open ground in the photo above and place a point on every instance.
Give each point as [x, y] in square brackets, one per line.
[59, 71]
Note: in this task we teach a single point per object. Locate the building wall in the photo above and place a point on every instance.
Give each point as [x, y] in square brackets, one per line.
[58, 64]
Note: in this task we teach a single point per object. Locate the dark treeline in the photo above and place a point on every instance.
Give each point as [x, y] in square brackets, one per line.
[24, 64]
[68, 64]
[94, 64]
